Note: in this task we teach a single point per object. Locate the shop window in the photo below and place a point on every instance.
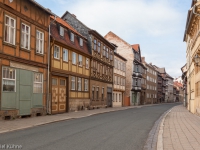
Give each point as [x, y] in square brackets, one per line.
[38, 83]
[9, 79]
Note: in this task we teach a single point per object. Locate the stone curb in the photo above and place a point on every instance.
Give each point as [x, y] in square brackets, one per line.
[153, 141]
[68, 118]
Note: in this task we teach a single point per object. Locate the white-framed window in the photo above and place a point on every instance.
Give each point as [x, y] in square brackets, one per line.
[79, 84]
[99, 46]
[81, 42]
[56, 52]
[86, 84]
[65, 55]
[39, 42]
[25, 36]
[80, 60]
[87, 63]
[74, 58]
[72, 36]
[95, 44]
[115, 80]
[9, 30]
[102, 93]
[38, 83]
[61, 31]
[73, 81]
[9, 79]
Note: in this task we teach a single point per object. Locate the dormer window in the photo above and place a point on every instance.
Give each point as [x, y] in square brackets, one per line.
[72, 37]
[81, 42]
[61, 31]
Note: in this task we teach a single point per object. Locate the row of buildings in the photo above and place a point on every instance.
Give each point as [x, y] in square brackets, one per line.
[54, 64]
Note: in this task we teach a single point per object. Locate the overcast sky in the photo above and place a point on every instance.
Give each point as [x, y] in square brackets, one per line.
[157, 25]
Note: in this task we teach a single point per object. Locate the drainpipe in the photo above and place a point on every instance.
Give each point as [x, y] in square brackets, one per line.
[49, 53]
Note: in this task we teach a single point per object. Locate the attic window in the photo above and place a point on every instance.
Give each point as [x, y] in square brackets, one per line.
[81, 42]
[72, 37]
[61, 31]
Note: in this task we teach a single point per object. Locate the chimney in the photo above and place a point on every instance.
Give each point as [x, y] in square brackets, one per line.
[74, 15]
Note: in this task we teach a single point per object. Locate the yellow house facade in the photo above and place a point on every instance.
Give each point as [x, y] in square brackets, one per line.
[192, 39]
[70, 68]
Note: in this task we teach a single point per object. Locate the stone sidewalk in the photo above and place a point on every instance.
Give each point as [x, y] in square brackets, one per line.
[17, 124]
[181, 130]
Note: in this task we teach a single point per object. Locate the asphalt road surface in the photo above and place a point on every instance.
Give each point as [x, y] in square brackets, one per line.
[120, 130]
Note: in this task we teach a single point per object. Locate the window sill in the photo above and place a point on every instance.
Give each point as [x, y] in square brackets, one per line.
[26, 50]
[56, 58]
[11, 45]
[42, 55]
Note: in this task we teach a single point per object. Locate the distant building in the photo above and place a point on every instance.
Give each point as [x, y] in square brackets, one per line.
[119, 79]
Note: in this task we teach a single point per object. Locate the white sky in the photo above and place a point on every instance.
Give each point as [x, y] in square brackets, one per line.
[157, 25]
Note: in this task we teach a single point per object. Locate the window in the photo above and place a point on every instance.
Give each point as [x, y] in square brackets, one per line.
[104, 50]
[118, 80]
[86, 85]
[65, 55]
[115, 80]
[61, 31]
[56, 52]
[72, 36]
[37, 86]
[9, 31]
[99, 47]
[54, 81]
[115, 63]
[80, 60]
[102, 94]
[62, 82]
[73, 83]
[111, 55]
[95, 44]
[25, 36]
[121, 81]
[81, 42]
[9, 79]
[39, 42]
[120, 98]
[98, 69]
[97, 91]
[74, 58]
[87, 63]
[116, 97]
[79, 84]
[93, 93]
[119, 65]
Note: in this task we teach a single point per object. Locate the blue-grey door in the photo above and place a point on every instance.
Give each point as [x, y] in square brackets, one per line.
[25, 92]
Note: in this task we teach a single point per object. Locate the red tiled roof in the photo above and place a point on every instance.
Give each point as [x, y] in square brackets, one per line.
[66, 40]
[177, 84]
[136, 47]
[65, 24]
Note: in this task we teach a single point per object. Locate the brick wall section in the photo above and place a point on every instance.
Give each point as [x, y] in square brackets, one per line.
[125, 50]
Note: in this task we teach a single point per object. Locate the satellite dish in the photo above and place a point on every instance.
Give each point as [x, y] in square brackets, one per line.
[10, 1]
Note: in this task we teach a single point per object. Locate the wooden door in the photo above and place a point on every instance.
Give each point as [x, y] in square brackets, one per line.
[59, 99]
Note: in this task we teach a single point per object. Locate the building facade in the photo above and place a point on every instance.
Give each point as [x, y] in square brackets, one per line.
[139, 70]
[70, 68]
[119, 77]
[134, 68]
[169, 96]
[23, 58]
[192, 39]
[102, 63]
[151, 91]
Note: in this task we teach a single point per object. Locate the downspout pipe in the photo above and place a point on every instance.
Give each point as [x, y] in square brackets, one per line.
[49, 53]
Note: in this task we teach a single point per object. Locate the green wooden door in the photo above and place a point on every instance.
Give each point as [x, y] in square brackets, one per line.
[25, 92]
[134, 98]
